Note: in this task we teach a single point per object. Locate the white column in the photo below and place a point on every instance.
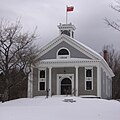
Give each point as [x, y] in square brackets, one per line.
[76, 76]
[30, 84]
[50, 81]
[98, 80]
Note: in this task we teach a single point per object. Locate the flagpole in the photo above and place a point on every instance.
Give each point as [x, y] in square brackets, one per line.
[66, 15]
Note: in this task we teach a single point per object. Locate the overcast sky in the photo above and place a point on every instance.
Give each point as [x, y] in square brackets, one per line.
[88, 17]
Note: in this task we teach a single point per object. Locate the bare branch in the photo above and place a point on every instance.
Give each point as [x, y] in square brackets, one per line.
[16, 52]
[112, 24]
[116, 7]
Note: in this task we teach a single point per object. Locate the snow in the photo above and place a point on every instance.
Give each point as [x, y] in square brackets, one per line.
[60, 108]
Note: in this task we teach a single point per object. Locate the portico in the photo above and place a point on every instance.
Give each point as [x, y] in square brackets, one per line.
[64, 71]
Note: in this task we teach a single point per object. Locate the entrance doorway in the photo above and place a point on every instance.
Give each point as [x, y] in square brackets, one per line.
[66, 86]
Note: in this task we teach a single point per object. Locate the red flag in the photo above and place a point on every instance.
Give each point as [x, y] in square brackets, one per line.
[69, 9]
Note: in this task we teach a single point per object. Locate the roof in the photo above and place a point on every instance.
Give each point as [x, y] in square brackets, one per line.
[78, 45]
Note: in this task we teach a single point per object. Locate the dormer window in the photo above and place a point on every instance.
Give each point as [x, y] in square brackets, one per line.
[63, 53]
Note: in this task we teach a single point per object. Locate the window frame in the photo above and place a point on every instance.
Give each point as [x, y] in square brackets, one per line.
[63, 56]
[41, 79]
[89, 78]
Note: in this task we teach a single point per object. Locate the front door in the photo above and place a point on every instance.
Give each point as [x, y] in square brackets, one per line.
[66, 86]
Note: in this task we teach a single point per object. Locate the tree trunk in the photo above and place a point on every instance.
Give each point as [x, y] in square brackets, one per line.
[5, 96]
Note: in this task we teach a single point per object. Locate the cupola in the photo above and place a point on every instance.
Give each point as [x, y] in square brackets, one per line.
[67, 29]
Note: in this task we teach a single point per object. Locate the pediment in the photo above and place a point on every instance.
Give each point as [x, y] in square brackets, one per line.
[77, 49]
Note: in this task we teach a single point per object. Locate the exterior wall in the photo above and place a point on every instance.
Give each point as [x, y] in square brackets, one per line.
[35, 84]
[81, 82]
[56, 71]
[102, 83]
[74, 53]
[110, 87]
[70, 70]
[106, 82]
[106, 85]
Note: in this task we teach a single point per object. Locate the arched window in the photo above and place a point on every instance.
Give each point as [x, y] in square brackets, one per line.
[63, 53]
[66, 81]
[66, 32]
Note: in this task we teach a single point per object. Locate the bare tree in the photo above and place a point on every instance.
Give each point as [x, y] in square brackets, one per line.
[114, 56]
[114, 24]
[17, 54]
[114, 63]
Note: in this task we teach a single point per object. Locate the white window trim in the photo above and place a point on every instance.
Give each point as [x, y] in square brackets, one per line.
[63, 56]
[91, 78]
[41, 79]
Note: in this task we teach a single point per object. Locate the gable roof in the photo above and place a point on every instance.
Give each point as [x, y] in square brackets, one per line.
[79, 46]
[76, 44]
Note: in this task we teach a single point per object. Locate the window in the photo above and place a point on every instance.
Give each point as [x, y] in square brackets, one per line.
[41, 79]
[66, 32]
[89, 78]
[72, 34]
[42, 73]
[88, 73]
[88, 85]
[63, 53]
[42, 85]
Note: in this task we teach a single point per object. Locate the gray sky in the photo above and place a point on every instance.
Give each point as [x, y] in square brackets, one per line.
[88, 17]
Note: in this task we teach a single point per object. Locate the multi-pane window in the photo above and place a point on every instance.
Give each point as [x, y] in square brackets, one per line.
[63, 52]
[42, 73]
[89, 78]
[42, 85]
[88, 85]
[88, 73]
[42, 79]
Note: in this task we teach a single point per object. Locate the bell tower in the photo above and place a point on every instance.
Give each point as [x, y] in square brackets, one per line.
[67, 29]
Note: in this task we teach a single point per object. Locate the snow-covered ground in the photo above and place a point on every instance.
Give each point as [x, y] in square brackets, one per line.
[56, 108]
